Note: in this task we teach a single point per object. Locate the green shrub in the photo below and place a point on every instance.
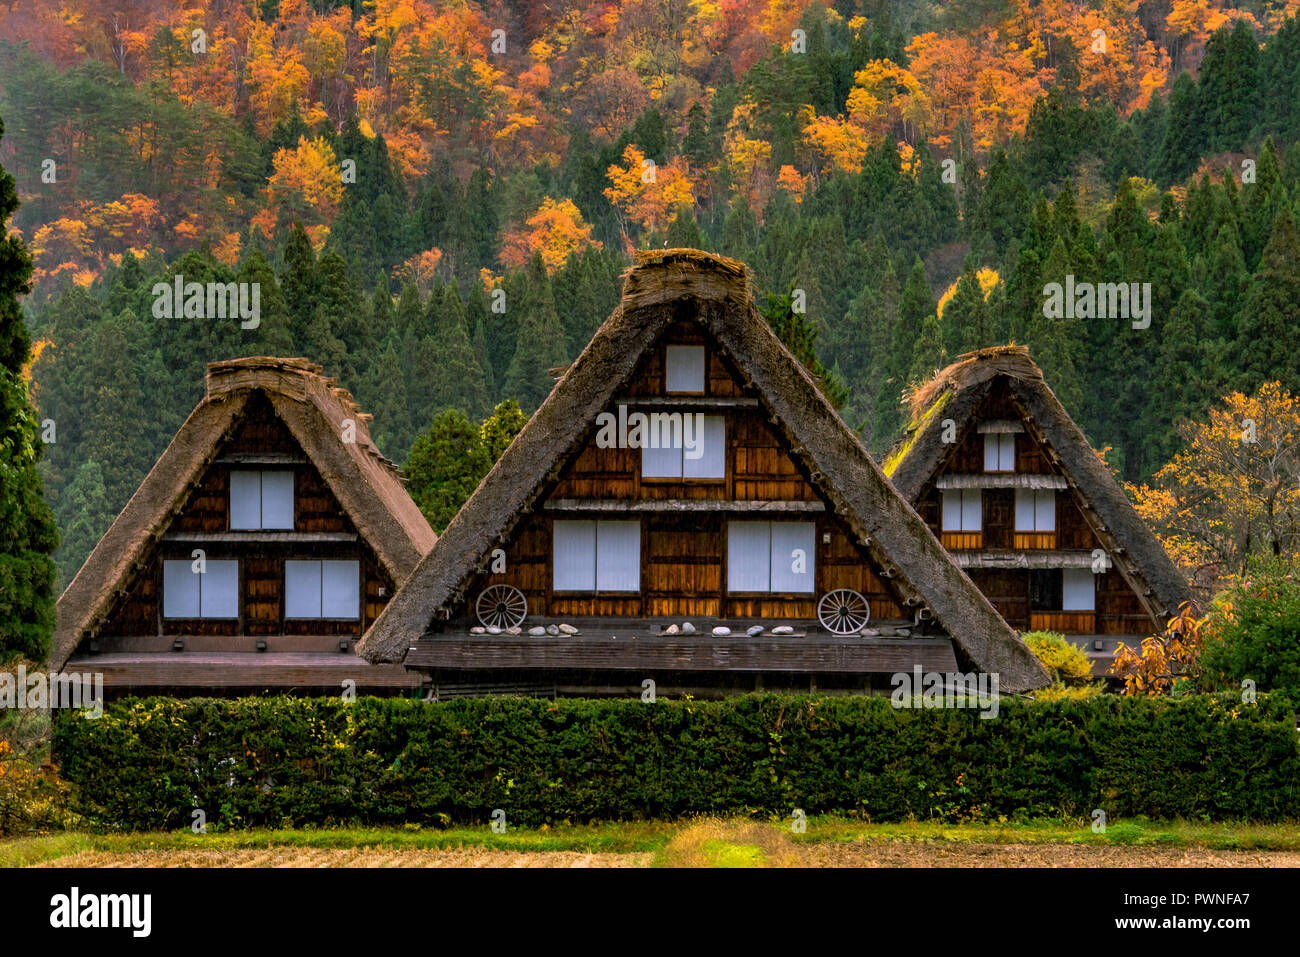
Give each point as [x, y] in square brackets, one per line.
[1253, 631]
[295, 761]
[1068, 665]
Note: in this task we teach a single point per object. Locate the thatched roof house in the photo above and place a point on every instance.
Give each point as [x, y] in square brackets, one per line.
[304, 529]
[688, 338]
[1001, 472]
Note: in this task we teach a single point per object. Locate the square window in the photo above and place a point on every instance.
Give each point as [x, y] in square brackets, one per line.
[340, 584]
[1079, 589]
[696, 450]
[684, 369]
[999, 452]
[771, 557]
[212, 593]
[962, 510]
[1035, 510]
[261, 500]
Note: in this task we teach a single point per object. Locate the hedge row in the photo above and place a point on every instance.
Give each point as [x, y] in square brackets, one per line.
[148, 763]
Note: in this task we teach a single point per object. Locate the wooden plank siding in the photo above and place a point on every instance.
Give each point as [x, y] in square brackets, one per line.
[684, 535]
[1118, 610]
[321, 531]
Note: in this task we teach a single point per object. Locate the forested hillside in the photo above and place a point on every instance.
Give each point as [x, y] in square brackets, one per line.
[438, 199]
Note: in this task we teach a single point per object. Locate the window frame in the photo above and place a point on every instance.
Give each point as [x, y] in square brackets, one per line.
[811, 529]
[681, 475]
[261, 525]
[965, 495]
[595, 588]
[202, 579]
[704, 368]
[1002, 445]
[321, 563]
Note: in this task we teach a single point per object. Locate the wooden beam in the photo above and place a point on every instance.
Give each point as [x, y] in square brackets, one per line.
[682, 653]
[678, 505]
[261, 538]
[262, 458]
[687, 402]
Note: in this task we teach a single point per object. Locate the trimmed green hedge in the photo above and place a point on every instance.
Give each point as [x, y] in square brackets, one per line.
[147, 763]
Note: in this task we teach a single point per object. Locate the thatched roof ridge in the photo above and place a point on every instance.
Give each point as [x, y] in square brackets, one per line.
[367, 486]
[960, 390]
[664, 286]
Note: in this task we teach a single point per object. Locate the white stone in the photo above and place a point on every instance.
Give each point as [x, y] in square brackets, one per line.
[783, 630]
[537, 630]
[493, 630]
[756, 630]
[670, 630]
[568, 630]
[514, 630]
[869, 632]
[722, 631]
[552, 630]
[688, 628]
[478, 630]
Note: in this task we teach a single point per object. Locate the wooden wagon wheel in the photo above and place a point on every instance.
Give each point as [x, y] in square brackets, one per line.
[843, 611]
[501, 606]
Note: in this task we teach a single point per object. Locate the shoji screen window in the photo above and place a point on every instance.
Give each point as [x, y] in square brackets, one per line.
[261, 500]
[962, 518]
[670, 456]
[596, 556]
[1078, 589]
[322, 589]
[771, 557]
[684, 369]
[999, 452]
[207, 589]
[1035, 518]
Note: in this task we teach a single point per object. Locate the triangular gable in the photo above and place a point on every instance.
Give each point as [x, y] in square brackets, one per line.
[957, 393]
[662, 288]
[316, 413]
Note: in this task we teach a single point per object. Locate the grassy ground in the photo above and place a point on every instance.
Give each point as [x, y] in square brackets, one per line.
[707, 842]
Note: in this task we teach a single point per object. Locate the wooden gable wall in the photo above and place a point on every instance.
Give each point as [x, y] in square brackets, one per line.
[258, 440]
[1118, 609]
[684, 554]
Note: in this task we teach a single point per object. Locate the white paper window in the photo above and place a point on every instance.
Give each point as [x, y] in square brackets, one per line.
[574, 561]
[322, 589]
[301, 589]
[618, 556]
[771, 556]
[261, 500]
[749, 556]
[340, 589]
[712, 463]
[684, 369]
[793, 548]
[1035, 510]
[999, 452]
[708, 445]
[212, 593]
[597, 556]
[1079, 589]
[962, 510]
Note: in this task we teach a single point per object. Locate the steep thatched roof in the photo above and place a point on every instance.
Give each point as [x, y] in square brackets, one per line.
[665, 286]
[366, 484]
[958, 391]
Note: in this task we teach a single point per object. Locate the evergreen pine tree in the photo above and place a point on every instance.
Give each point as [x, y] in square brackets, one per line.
[1266, 325]
[27, 531]
[541, 342]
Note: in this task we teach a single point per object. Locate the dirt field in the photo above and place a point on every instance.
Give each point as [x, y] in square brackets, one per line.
[894, 854]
